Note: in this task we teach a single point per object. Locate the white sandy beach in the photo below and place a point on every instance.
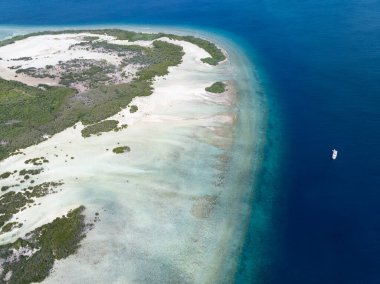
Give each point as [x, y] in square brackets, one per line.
[167, 212]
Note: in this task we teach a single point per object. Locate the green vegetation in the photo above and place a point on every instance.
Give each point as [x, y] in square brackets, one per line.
[216, 54]
[5, 188]
[14, 67]
[30, 172]
[218, 87]
[35, 72]
[90, 38]
[13, 202]
[104, 126]
[10, 226]
[5, 175]
[35, 111]
[42, 189]
[37, 161]
[17, 152]
[162, 56]
[105, 101]
[123, 126]
[92, 72]
[50, 242]
[133, 109]
[122, 149]
[121, 50]
[23, 58]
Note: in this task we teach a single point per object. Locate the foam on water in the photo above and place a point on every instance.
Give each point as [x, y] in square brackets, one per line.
[174, 209]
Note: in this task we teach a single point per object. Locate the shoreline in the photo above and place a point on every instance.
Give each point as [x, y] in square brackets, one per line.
[239, 151]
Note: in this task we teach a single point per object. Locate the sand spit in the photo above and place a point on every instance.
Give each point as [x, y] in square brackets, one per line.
[163, 206]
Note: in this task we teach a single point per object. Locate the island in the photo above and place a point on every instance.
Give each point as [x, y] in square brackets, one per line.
[73, 192]
[217, 87]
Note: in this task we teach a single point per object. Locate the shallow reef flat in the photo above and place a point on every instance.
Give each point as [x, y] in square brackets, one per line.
[149, 162]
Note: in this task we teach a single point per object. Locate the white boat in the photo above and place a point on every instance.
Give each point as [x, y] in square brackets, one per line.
[334, 154]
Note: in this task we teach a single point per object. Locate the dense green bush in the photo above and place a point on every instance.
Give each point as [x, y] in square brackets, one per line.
[218, 87]
[122, 149]
[5, 175]
[53, 241]
[104, 126]
[133, 109]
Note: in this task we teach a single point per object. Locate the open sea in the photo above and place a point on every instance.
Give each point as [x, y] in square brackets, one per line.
[314, 220]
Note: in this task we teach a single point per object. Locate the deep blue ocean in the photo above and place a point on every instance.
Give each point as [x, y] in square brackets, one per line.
[319, 62]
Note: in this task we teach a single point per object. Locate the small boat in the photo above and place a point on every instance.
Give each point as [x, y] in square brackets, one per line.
[334, 154]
